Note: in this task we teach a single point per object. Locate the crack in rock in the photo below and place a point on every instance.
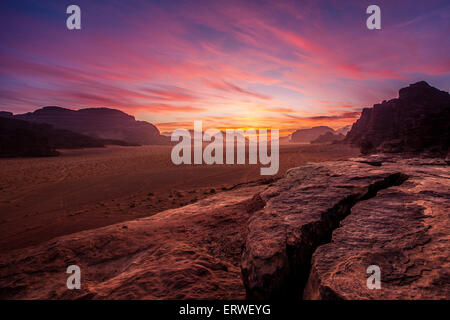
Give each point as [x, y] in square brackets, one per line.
[301, 212]
[403, 230]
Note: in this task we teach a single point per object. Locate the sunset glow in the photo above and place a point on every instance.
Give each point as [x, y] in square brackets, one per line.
[233, 64]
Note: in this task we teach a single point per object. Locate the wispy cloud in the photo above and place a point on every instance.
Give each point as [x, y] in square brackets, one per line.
[285, 64]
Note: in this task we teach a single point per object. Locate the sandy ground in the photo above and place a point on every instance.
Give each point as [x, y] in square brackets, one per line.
[42, 198]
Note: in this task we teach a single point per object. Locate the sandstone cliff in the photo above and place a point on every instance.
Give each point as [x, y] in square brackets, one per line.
[20, 138]
[418, 120]
[100, 123]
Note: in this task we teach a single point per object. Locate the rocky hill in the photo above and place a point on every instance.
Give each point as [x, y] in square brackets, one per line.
[328, 138]
[100, 123]
[308, 135]
[418, 120]
[320, 134]
[343, 130]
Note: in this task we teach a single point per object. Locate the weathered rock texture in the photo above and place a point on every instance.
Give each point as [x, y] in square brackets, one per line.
[384, 207]
[404, 230]
[418, 120]
[190, 252]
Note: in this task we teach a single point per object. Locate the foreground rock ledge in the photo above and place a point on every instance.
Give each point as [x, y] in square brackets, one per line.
[190, 252]
[397, 218]
[311, 234]
[404, 230]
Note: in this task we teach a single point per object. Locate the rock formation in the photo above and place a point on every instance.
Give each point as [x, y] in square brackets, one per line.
[328, 138]
[418, 120]
[308, 135]
[20, 138]
[189, 252]
[403, 230]
[343, 130]
[100, 123]
[394, 216]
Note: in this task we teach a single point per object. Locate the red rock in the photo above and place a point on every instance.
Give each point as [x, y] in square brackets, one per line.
[191, 252]
[403, 230]
[308, 135]
[400, 225]
[101, 123]
[418, 120]
[301, 211]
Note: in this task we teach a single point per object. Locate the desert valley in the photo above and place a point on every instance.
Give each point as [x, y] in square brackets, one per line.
[101, 192]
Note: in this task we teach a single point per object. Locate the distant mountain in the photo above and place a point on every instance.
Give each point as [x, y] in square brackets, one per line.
[308, 135]
[328, 137]
[100, 123]
[207, 138]
[344, 130]
[418, 120]
[19, 138]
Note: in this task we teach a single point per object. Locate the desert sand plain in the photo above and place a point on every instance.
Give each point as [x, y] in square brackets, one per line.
[43, 198]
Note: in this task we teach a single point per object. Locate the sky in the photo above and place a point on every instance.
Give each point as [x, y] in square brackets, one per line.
[233, 64]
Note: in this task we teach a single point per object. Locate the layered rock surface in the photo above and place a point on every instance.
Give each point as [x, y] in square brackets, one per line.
[399, 209]
[403, 230]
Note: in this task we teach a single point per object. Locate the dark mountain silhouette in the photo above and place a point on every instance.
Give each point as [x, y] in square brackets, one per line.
[308, 135]
[328, 137]
[20, 138]
[418, 120]
[100, 123]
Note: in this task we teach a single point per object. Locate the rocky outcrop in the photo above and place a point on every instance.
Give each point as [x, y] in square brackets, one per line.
[25, 139]
[418, 120]
[403, 231]
[303, 213]
[308, 135]
[6, 114]
[190, 252]
[343, 130]
[100, 123]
